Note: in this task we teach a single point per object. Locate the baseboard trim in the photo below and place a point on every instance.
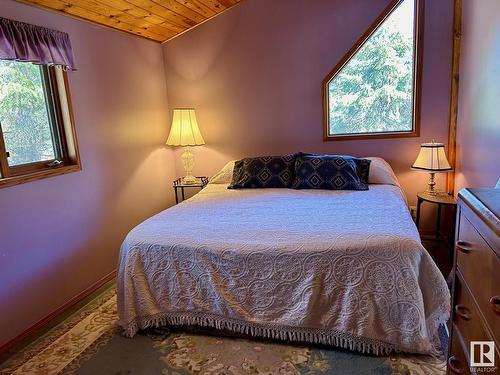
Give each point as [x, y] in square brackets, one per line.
[60, 310]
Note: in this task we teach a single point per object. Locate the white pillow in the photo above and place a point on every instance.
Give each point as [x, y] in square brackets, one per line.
[225, 175]
[380, 173]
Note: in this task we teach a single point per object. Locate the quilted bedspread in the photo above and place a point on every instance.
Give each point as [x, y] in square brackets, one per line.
[343, 268]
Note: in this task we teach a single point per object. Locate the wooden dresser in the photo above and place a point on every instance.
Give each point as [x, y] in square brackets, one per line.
[476, 283]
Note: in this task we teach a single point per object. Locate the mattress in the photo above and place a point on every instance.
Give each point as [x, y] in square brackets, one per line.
[343, 268]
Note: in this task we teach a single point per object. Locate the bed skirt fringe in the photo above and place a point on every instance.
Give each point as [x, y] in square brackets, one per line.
[291, 334]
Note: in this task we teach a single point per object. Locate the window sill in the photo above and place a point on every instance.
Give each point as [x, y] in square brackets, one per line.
[388, 135]
[56, 171]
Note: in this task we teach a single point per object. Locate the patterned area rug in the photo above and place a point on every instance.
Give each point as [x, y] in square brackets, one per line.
[89, 343]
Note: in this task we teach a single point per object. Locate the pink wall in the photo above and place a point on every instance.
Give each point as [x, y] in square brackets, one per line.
[478, 133]
[60, 235]
[254, 76]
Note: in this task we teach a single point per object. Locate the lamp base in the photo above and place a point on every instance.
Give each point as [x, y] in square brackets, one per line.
[437, 193]
[430, 189]
[188, 164]
[189, 180]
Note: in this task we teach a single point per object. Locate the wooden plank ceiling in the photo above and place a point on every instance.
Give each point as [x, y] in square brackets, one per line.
[158, 20]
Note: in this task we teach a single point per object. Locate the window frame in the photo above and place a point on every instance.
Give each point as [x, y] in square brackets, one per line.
[56, 90]
[418, 32]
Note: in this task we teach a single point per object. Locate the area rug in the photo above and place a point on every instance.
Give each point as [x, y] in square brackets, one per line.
[89, 342]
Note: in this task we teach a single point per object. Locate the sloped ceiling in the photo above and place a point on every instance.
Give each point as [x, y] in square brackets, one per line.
[158, 20]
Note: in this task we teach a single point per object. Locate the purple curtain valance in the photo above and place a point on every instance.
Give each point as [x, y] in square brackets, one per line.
[24, 42]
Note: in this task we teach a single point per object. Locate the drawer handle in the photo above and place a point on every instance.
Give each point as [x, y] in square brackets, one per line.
[495, 304]
[462, 312]
[463, 246]
[455, 365]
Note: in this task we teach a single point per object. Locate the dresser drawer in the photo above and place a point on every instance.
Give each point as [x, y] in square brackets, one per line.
[468, 325]
[466, 316]
[458, 361]
[480, 266]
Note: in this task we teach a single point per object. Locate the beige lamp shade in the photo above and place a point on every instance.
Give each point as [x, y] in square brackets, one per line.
[432, 158]
[184, 130]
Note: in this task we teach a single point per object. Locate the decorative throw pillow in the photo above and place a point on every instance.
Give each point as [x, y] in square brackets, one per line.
[363, 165]
[331, 172]
[362, 168]
[264, 172]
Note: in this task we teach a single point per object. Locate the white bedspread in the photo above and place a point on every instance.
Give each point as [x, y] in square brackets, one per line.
[335, 267]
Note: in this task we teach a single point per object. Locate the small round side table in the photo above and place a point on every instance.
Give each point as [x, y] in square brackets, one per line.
[441, 199]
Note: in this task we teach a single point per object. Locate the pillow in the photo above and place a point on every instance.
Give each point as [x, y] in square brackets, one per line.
[264, 172]
[363, 165]
[225, 175]
[381, 172]
[331, 172]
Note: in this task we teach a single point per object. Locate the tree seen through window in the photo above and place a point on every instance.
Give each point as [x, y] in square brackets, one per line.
[373, 92]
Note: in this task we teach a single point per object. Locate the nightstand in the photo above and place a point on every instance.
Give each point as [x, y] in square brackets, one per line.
[441, 199]
[178, 184]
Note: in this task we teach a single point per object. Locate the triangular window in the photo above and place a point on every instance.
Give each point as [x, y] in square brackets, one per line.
[373, 91]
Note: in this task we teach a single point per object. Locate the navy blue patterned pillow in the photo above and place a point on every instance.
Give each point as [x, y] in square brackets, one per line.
[264, 172]
[331, 172]
[362, 165]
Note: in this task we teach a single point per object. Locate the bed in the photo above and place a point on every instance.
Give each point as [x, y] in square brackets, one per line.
[342, 268]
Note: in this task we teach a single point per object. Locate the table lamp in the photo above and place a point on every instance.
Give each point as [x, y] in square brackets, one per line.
[432, 158]
[185, 132]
